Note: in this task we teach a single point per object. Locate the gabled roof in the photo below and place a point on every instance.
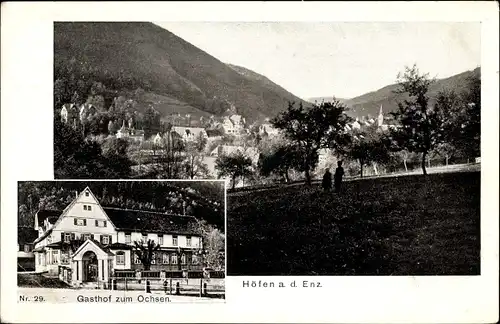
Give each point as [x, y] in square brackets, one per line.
[151, 222]
[136, 220]
[96, 243]
[26, 235]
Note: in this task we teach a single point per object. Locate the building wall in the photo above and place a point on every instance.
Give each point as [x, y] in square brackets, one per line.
[170, 266]
[77, 211]
[167, 239]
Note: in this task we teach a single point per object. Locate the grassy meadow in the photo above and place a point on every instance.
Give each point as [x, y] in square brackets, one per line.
[407, 225]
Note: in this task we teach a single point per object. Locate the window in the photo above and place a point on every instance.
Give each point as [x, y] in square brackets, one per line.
[165, 258]
[87, 207]
[153, 258]
[67, 237]
[128, 238]
[145, 238]
[194, 259]
[100, 223]
[120, 257]
[175, 240]
[27, 248]
[86, 193]
[188, 241]
[80, 221]
[160, 239]
[55, 257]
[86, 236]
[174, 258]
[105, 239]
[39, 257]
[183, 259]
[137, 260]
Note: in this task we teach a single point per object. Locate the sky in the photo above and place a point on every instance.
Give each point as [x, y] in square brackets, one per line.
[342, 59]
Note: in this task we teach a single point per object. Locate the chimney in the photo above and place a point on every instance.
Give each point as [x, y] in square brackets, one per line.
[76, 194]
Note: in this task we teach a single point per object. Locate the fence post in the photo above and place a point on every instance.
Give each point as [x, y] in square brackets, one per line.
[170, 286]
[201, 287]
[125, 284]
[204, 289]
[177, 288]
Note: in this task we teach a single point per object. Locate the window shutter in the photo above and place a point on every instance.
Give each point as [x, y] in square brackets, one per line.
[62, 236]
[100, 240]
[92, 236]
[105, 223]
[110, 239]
[72, 236]
[96, 223]
[74, 221]
[84, 222]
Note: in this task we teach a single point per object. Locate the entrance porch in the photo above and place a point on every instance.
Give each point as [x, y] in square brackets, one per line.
[91, 264]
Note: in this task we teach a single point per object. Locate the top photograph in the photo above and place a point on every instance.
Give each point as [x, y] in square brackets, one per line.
[349, 148]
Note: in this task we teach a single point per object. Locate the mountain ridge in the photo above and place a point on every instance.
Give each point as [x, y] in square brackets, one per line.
[368, 104]
[168, 66]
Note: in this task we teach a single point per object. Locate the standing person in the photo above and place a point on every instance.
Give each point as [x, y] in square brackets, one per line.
[339, 173]
[327, 180]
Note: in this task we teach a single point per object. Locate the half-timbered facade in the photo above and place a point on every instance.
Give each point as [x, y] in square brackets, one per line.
[87, 242]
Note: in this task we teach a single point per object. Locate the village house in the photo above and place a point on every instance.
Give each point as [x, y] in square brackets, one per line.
[25, 255]
[190, 134]
[69, 113]
[87, 110]
[233, 125]
[130, 133]
[267, 129]
[90, 243]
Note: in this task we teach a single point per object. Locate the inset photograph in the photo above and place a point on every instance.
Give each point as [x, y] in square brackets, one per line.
[121, 241]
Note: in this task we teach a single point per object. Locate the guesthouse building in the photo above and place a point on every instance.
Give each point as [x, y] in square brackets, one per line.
[90, 243]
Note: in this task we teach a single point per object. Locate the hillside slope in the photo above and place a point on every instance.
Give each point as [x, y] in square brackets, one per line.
[167, 66]
[369, 103]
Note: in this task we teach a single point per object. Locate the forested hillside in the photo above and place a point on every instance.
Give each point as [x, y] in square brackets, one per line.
[142, 58]
[204, 200]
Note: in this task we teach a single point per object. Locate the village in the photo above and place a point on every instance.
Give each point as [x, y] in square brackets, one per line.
[212, 137]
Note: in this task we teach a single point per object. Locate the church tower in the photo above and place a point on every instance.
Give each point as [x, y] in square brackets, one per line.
[380, 119]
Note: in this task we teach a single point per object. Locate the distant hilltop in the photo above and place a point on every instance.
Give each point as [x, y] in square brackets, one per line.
[368, 104]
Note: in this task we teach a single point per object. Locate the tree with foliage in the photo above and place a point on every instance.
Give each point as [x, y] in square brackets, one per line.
[234, 165]
[279, 161]
[213, 248]
[152, 121]
[77, 157]
[169, 156]
[311, 129]
[397, 156]
[368, 147]
[145, 252]
[464, 131]
[422, 126]
[114, 151]
[194, 153]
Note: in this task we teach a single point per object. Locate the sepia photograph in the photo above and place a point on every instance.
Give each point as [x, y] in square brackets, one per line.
[121, 241]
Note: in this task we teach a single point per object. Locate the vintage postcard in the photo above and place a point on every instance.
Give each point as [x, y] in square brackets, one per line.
[357, 144]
